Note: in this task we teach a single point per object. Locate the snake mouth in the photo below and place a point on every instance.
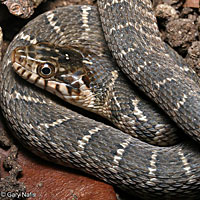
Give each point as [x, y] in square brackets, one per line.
[37, 64]
[19, 61]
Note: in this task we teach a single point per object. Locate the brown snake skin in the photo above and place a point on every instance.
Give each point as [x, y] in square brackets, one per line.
[52, 131]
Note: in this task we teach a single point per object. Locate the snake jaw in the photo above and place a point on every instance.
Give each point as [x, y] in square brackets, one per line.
[68, 79]
[70, 73]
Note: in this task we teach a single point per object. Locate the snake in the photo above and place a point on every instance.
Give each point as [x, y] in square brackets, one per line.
[58, 132]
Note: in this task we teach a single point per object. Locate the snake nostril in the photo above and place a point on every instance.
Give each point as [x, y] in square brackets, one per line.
[86, 80]
[20, 59]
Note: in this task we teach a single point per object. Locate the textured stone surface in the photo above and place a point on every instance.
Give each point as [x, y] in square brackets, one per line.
[193, 56]
[22, 8]
[49, 181]
[181, 33]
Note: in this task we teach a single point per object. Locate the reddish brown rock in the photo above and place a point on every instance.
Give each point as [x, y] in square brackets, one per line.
[22, 8]
[49, 181]
[191, 3]
[181, 33]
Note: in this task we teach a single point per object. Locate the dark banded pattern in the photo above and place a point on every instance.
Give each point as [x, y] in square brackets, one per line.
[146, 60]
[49, 129]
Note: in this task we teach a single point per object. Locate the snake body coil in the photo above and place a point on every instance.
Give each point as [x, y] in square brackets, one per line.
[65, 137]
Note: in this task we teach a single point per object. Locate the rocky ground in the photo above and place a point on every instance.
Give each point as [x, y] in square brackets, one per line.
[22, 172]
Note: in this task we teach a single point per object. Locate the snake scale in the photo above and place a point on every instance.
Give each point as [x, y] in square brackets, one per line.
[51, 130]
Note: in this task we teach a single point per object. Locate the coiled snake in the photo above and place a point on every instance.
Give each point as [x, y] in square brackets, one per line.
[52, 131]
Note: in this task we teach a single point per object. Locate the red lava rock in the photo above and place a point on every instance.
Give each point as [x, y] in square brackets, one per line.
[45, 180]
[181, 33]
[191, 3]
[193, 56]
[165, 11]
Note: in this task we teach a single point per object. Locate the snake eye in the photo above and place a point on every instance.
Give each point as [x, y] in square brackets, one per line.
[46, 70]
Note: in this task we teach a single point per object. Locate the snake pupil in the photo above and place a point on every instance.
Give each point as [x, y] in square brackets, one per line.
[46, 70]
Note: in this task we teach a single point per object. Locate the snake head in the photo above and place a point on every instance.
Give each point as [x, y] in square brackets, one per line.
[61, 71]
